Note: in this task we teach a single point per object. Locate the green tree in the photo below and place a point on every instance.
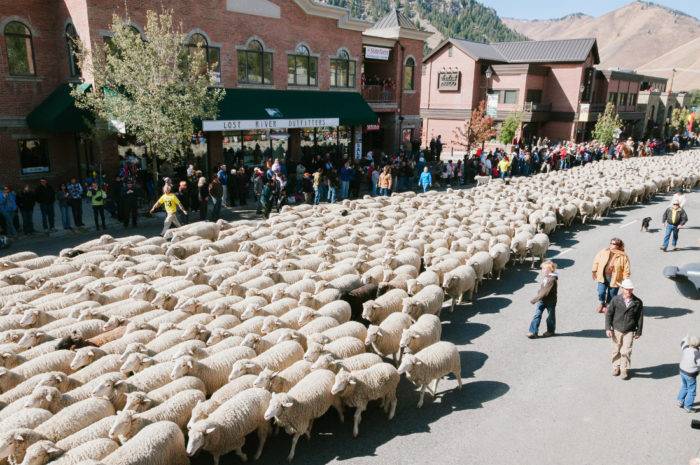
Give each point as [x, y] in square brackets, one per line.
[157, 88]
[607, 125]
[679, 119]
[509, 128]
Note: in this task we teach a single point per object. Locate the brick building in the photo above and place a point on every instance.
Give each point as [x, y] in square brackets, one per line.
[299, 66]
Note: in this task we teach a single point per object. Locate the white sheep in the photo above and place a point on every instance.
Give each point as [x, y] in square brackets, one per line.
[276, 358]
[426, 278]
[43, 452]
[213, 370]
[160, 443]
[74, 418]
[537, 247]
[458, 282]
[356, 362]
[425, 331]
[202, 409]
[431, 364]
[375, 311]
[358, 388]
[428, 300]
[283, 380]
[385, 338]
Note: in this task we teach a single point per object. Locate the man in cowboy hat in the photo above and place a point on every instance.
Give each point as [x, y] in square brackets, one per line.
[623, 324]
[674, 219]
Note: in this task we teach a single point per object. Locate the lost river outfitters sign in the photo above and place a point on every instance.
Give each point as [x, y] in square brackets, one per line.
[448, 81]
[255, 124]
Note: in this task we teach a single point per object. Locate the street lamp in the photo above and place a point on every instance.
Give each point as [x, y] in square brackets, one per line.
[489, 72]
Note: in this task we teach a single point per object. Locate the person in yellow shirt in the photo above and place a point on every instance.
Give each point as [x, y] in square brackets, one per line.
[504, 166]
[170, 203]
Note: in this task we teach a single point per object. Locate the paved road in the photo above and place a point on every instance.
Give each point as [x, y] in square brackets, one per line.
[548, 401]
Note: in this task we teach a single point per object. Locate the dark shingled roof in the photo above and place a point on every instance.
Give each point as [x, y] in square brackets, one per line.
[394, 19]
[533, 51]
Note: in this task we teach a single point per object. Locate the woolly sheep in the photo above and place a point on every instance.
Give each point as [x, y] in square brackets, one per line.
[213, 370]
[225, 430]
[106, 364]
[276, 358]
[140, 401]
[424, 332]
[431, 364]
[350, 328]
[97, 430]
[413, 286]
[500, 253]
[164, 437]
[338, 310]
[25, 418]
[202, 409]
[458, 282]
[14, 443]
[386, 337]
[357, 388]
[283, 380]
[43, 452]
[537, 247]
[428, 300]
[356, 362]
[340, 348]
[75, 417]
[375, 311]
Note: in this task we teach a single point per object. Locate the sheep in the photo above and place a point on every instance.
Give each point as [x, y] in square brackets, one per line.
[53, 361]
[140, 401]
[431, 364]
[25, 418]
[42, 452]
[106, 364]
[164, 437]
[276, 358]
[500, 253]
[316, 301]
[458, 282]
[537, 247]
[413, 286]
[428, 300]
[357, 388]
[425, 331]
[53, 379]
[350, 328]
[283, 380]
[482, 264]
[135, 363]
[75, 417]
[176, 409]
[318, 325]
[356, 362]
[226, 428]
[97, 430]
[14, 443]
[375, 311]
[226, 392]
[338, 310]
[150, 378]
[340, 348]
[386, 337]
[213, 370]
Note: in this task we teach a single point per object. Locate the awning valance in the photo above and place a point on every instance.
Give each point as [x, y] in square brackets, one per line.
[244, 109]
[58, 113]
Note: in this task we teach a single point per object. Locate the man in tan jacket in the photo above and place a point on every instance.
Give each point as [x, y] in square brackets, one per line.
[610, 266]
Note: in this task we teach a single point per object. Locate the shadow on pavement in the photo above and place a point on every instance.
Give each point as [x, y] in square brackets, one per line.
[589, 333]
[482, 305]
[661, 313]
[665, 370]
[460, 332]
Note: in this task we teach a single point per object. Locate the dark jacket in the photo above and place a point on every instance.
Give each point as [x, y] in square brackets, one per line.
[130, 198]
[25, 200]
[184, 198]
[548, 290]
[44, 194]
[625, 319]
[216, 190]
[681, 217]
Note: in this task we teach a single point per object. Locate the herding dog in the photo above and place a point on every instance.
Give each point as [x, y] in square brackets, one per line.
[645, 224]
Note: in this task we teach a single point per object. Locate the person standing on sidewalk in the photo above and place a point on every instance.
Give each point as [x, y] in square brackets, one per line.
[546, 298]
[425, 181]
[25, 202]
[64, 207]
[216, 191]
[223, 180]
[203, 197]
[610, 266]
[689, 366]
[171, 204]
[75, 200]
[97, 197]
[46, 197]
[183, 195]
[130, 204]
[623, 324]
[674, 219]
[8, 207]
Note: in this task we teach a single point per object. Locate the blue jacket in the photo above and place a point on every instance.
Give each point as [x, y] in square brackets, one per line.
[223, 177]
[8, 202]
[425, 179]
[346, 174]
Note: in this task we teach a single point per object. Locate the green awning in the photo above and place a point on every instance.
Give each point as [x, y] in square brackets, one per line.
[267, 104]
[58, 113]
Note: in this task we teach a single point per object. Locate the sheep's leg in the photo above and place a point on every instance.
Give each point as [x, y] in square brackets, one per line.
[239, 453]
[392, 407]
[263, 432]
[295, 438]
[422, 394]
[471, 294]
[452, 307]
[437, 380]
[337, 404]
[458, 375]
[307, 433]
[358, 419]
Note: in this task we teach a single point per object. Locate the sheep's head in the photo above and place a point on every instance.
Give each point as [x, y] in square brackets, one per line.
[31, 338]
[218, 335]
[30, 317]
[325, 362]
[314, 351]
[264, 378]
[408, 361]
[197, 331]
[164, 300]
[251, 340]
[41, 452]
[138, 326]
[42, 397]
[271, 323]
[182, 367]
[374, 332]
[132, 348]
[368, 309]
[344, 381]
[244, 367]
[141, 292]
[406, 337]
[191, 305]
[122, 426]
[411, 308]
[53, 379]
[292, 335]
[83, 357]
[305, 316]
[136, 362]
[165, 327]
[278, 404]
[197, 435]
[233, 289]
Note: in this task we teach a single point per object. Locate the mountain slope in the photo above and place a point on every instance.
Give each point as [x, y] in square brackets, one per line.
[639, 35]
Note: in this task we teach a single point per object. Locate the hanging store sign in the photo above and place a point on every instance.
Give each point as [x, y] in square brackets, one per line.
[256, 124]
[377, 53]
[448, 81]
[492, 105]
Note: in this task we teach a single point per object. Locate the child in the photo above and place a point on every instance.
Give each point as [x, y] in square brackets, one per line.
[690, 361]
[425, 180]
[546, 298]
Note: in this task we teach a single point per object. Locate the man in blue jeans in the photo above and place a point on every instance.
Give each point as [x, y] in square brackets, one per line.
[546, 298]
[674, 219]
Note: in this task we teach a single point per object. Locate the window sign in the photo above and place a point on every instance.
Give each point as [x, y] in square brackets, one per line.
[492, 104]
[449, 81]
[377, 53]
[251, 124]
[33, 156]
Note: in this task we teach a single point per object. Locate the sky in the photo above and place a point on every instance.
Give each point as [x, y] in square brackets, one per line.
[546, 9]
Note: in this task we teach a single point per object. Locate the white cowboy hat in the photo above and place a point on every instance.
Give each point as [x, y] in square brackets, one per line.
[627, 284]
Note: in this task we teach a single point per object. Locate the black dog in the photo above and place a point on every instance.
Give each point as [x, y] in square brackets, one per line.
[645, 223]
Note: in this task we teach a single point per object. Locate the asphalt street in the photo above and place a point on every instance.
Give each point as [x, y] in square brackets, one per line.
[546, 401]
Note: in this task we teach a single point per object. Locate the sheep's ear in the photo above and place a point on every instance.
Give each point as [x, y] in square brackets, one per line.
[118, 383]
[249, 365]
[53, 450]
[3, 371]
[415, 336]
[19, 438]
[91, 353]
[49, 397]
[147, 360]
[189, 364]
[209, 430]
[287, 404]
[352, 381]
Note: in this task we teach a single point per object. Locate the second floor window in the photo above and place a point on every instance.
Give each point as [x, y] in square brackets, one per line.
[408, 74]
[211, 54]
[509, 96]
[20, 54]
[254, 65]
[72, 46]
[302, 68]
[342, 71]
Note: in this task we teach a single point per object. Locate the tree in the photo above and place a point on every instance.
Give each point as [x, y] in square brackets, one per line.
[679, 119]
[607, 125]
[156, 88]
[509, 127]
[477, 130]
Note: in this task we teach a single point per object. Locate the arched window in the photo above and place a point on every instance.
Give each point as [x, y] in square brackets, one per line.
[20, 54]
[408, 74]
[342, 70]
[72, 47]
[212, 55]
[254, 64]
[302, 68]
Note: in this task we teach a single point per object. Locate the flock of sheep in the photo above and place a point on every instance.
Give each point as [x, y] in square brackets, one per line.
[117, 350]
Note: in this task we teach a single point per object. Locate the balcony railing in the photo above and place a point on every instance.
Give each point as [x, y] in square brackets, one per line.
[530, 107]
[378, 93]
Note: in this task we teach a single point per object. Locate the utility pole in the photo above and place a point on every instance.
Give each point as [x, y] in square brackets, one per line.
[670, 85]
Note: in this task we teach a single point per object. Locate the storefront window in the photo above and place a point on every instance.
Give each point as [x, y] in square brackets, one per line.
[408, 74]
[254, 65]
[20, 53]
[302, 68]
[342, 71]
[33, 156]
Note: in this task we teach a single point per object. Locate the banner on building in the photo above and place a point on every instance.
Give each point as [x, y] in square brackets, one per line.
[377, 53]
[448, 81]
[255, 124]
[492, 105]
